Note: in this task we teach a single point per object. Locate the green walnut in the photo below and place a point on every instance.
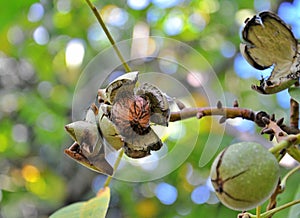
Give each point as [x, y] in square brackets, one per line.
[244, 175]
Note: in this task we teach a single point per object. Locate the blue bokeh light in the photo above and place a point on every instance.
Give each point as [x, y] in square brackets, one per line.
[283, 99]
[289, 12]
[228, 49]
[246, 126]
[200, 194]
[166, 3]
[36, 12]
[41, 35]
[173, 25]
[138, 4]
[166, 193]
[154, 14]
[244, 70]
[118, 17]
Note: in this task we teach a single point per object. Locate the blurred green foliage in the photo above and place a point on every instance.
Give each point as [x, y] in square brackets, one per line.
[36, 91]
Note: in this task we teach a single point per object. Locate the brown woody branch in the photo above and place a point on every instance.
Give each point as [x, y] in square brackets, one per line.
[294, 113]
[229, 112]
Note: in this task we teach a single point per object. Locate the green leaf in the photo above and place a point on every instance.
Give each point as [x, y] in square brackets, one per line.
[72, 210]
[295, 93]
[295, 210]
[95, 207]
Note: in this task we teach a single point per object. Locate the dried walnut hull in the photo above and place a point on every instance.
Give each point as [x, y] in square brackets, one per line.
[131, 115]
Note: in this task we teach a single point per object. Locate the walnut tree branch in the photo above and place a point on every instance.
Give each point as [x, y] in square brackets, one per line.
[294, 113]
[229, 112]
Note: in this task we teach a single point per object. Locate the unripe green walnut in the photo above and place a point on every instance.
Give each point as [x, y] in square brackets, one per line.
[244, 175]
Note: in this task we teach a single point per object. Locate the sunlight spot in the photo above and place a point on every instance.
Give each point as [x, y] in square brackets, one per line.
[241, 124]
[283, 99]
[200, 194]
[289, 12]
[117, 17]
[166, 3]
[166, 193]
[138, 4]
[95, 33]
[36, 12]
[244, 70]
[74, 53]
[30, 173]
[173, 25]
[41, 35]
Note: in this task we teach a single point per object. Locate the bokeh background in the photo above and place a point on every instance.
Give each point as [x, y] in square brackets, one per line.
[44, 47]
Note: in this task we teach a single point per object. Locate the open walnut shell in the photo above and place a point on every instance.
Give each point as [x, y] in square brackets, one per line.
[269, 42]
[160, 111]
[125, 83]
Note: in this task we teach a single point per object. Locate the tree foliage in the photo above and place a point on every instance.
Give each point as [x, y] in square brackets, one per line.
[38, 79]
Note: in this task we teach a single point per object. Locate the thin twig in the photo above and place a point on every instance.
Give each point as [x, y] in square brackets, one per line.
[270, 212]
[107, 33]
[258, 209]
[108, 179]
[226, 113]
[294, 113]
[277, 209]
[126, 66]
[272, 203]
[288, 142]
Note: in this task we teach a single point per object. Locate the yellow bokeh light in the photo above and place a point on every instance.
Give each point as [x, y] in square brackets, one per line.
[37, 187]
[147, 208]
[30, 173]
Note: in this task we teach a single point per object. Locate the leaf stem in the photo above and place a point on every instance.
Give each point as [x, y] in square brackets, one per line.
[107, 181]
[258, 210]
[107, 33]
[270, 212]
[277, 209]
[286, 143]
